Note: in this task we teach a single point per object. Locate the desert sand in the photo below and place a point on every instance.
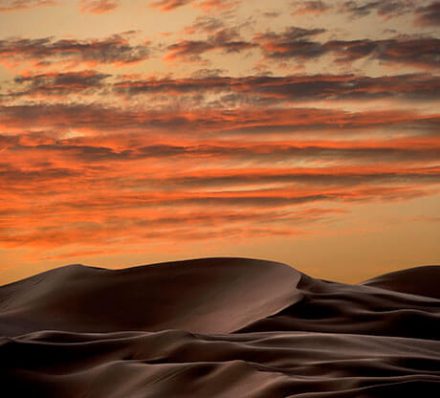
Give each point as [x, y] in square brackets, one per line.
[219, 327]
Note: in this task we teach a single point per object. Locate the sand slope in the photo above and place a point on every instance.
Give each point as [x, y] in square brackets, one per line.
[211, 295]
[421, 281]
[219, 328]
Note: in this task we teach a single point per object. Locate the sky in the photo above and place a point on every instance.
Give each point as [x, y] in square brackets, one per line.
[141, 131]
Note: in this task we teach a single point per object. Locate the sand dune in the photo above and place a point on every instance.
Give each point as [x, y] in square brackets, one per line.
[422, 281]
[209, 296]
[219, 328]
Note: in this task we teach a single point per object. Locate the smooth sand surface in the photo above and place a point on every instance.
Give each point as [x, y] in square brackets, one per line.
[223, 327]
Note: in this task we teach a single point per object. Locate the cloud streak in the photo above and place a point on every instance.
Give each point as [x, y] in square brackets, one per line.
[17, 5]
[295, 87]
[49, 84]
[207, 5]
[47, 51]
[224, 40]
[246, 121]
[429, 15]
[291, 44]
[98, 6]
[386, 9]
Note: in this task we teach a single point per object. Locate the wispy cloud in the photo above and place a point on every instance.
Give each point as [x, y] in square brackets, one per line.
[294, 43]
[169, 5]
[391, 8]
[225, 40]
[17, 5]
[98, 6]
[250, 121]
[48, 84]
[355, 8]
[429, 15]
[256, 89]
[207, 5]
[46, 51]
[310, 7]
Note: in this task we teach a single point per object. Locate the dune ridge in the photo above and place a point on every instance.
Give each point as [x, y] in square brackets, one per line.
[212, 295]
[222, 327]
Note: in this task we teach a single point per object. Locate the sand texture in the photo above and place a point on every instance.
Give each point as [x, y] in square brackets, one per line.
[220, 327]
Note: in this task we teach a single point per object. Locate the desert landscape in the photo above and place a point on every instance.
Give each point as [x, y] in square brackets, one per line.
[219, 327]
[219, 199]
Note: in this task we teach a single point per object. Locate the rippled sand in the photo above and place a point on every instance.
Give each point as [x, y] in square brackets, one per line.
[224, 327]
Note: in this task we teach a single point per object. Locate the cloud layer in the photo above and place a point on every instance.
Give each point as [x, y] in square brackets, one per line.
[211, 120]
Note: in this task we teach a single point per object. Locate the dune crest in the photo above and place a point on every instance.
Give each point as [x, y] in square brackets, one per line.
[207, 295]
[422, 281]
[223, 327]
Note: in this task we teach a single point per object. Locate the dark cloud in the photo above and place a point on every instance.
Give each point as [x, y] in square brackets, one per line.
[225, 40]
[388, 8]
[291, 34]
[206, 24]
[293, 42]
[426, 14]
[60, 83]
[420, 51]
[207, 72]
[293, 88]
[356, 8]
[229, 40]
[86, 150]
[255, 120]
[205, 199]
[255, 200]
[113, 50]
[310, 7]
[429, 15]
[13, 175]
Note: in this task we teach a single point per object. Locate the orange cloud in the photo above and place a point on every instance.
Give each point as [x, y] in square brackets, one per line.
[98, 6]
[92, 158]
[16, 5]
[207, 5]
[102, 119]
[110, 188]
[169, 5]
[310, 7]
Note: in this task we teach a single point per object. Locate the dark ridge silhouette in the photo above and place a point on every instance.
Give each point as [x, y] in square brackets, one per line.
[221, 327]
[422, 281]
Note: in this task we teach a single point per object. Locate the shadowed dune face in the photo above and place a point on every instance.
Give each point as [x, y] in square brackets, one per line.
[420, 281]
[219, 328]
[338, 308]
[257, 365]
[212, 295]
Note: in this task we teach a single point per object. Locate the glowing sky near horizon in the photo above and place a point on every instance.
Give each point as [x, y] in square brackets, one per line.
[138, 131]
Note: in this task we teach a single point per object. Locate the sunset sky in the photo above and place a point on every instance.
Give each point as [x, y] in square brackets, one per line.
[138, 131]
